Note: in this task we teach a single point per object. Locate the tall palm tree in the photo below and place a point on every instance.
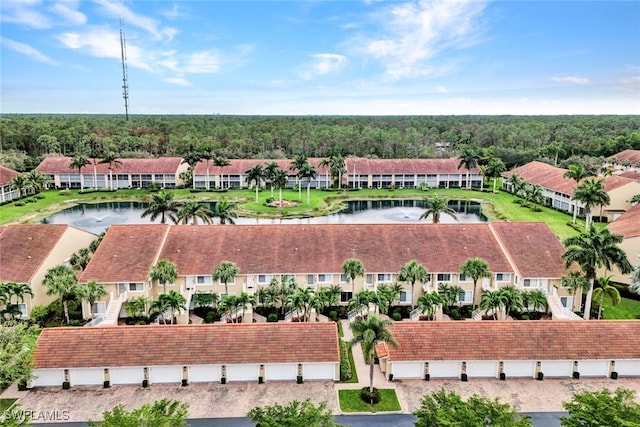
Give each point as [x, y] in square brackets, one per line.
[605, 290]
[307, 172]
[476, 268]
[369, 332]
[437, 206]
[92, 292]
[61, 281]
[577, 172]
[224, 210]
[413, 272]
[574, 282]
[255, 174]
[243, 301]
[296, 165]
[78, 162]
[494, 169]
[451, 293]
[221, 162]
[279, 181]
[386, 295]
[172, 301]
[534, 298]
[20, 182]
[80, 259]
[207, 155]
[512, 299]
[163, 205]
[37, 180]
[110, 158]
[164, 272]
[534, 193]
[13, 289]
[229, 303]
[428, 303]
[592, 250]
[493, 301]
[517, 184]
[469, 158]
[225, 272]
[337, 167]
[591, 193]
[192, 211]
[353, 268]
[269, 173]
[192, 158]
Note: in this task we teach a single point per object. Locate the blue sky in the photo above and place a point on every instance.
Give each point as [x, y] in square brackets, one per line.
[322, 57]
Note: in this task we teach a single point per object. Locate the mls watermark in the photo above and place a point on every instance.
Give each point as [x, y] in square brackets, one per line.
[29, 415]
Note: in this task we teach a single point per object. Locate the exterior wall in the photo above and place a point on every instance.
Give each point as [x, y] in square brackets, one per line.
[47, 378]
[86, 376]
[631, 246]
[620, 198]
[7, 193]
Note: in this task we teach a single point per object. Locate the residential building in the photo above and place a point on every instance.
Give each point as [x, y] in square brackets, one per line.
[628, 226]
[626, 160]
[125, 173]
[186, 354]
[7, 192]
[525, 255]
[558, 190]
[28, 251]
[502, 349]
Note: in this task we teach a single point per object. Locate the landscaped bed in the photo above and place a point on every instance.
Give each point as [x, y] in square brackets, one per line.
[350, 401]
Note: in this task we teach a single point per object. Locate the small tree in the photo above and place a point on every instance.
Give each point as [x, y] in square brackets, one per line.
[353, 268]
[294, 414]
[225, 272]
[602, 408]
[476, 268]
[164, 272]
[413, 272]
[92, 292]
[61, 281]
[444, 409]
[162, 413]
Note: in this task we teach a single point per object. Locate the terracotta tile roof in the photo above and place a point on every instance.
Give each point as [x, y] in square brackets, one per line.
[322, 248]
[126, 253]
[627, 224]
[533, 247]
[363, 166]
[187, 345]
[161, 165]
[545, 175]
[515, 340]
[616, 181]
[6, 175]
[631, 175]
[24, 247]
[632, 155]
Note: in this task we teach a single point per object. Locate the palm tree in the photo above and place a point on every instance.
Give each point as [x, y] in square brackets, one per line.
[172, 301]
[494, 169]
[517, 184]
[635, 199]
[208, 155]
[437, 206]
[476, 268]
[370, 332]
[61, 281]
[20, 182]
[279, 181]
[577, 172]
[353, 268]
[534, 298]
[603, 290]
[80, 259]
[513, 299]
[386, 295]
[575, 281]
[221, 162]
[224, 210]
[225, 272]
[307, 172]
[337, 167]
[78, 162]
[192, 158]
[428, 303]
[493, 301]
[164, 272]
[469, 158]
[591, 193]
[243, 301]
[269, 173]
[92, 292]
[163, 205]
[110, 159]
[205, 299]
[451, 293]
[413, 272]
[228, 303]
[193, 210]
[255, 174]
[37, 180]
[296, 165]
[534, 193]
[592, 250]
[11, 289]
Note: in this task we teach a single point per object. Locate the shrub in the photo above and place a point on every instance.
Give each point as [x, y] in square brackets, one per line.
[333, 315]
[210, 317]
[65, 192]
[345, 366]
[39, 314]
[273, 317]
[19, 204]
[39, 196]
[524, 317]
[455, 314]
[396, 316]
[370, 397]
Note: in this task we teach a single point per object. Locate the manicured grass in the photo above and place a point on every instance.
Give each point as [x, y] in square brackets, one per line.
[6, 404]
[627, 309]
[350, 401]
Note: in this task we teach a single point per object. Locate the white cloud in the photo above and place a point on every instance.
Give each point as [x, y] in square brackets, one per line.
[27, 50]
[120, 11]
[323, 63]
[442, 89]
[178, 81]
[173, 12]
[571, 79]
[68, 11]
[24, 12]
[202, 63]
[630, 83]
[414, 33]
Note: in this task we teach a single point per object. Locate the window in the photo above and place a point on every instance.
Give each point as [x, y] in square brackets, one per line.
[325, 278]
[384, 277]
[136, 287]
[344, 278]
[203, 280]
[264, 278]
[310, 279]
[530, 283]
[22, 309]
[346, 296]
[464, 278]
[503, 277]
[369, 279]
[443, 277]
[466, 297]
[405, 297]
[99, 307]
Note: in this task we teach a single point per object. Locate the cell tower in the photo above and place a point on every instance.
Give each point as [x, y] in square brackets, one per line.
[125, 78]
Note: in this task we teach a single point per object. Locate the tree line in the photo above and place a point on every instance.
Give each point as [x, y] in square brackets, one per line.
[26, 139]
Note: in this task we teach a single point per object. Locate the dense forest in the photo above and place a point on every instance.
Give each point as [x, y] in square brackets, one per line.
[26, 139]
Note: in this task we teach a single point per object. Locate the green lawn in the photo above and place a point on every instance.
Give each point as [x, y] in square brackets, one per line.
[6, 404]
[627, 309]
[350, 401]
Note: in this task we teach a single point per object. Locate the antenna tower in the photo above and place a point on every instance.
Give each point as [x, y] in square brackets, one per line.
[125, 78]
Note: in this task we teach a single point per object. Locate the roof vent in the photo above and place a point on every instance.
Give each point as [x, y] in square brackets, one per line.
[28, 256]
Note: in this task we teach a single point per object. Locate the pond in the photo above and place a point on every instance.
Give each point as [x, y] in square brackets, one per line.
[96, 217]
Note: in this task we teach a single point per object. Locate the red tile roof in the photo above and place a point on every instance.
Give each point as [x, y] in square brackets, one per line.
[161, 165]
[631, 175]
[322, 248]
[126, 253]
[24, 247]
[515, 340]
[627, 224]
[632, 155]
[6, 175]
[187, 345]
[616, 181]
[533, 247]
